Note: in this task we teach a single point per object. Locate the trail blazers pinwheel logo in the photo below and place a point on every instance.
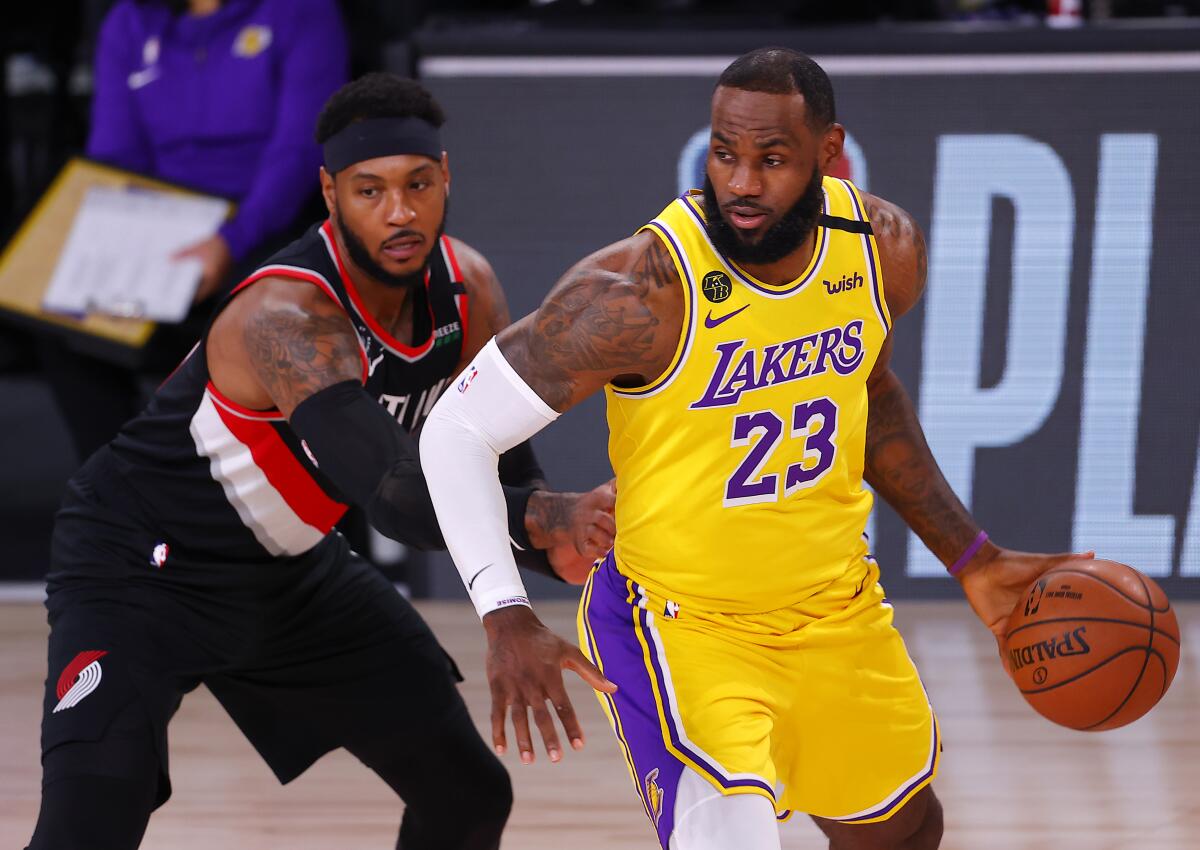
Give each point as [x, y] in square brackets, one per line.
[79, 678]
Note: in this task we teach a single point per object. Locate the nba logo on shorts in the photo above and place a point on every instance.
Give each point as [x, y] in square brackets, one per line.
[159, 556]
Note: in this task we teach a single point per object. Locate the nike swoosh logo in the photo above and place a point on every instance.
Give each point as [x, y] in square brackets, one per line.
[374, 363]
[471, 583]
[710, 322]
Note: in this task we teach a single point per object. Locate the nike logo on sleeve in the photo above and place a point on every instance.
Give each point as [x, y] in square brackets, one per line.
[471, 583]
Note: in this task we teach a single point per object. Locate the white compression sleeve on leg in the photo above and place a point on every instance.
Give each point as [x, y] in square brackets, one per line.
[707, 820]
[487, 411]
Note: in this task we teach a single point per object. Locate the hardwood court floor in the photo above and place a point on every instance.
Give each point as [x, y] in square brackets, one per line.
[1009, 780]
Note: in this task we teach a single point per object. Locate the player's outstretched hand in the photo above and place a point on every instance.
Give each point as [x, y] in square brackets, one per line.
[997, 579]
[525, 661]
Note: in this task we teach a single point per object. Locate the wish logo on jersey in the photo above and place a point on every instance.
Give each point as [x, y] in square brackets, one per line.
[79, 678]
[740, 370]
[848, 283]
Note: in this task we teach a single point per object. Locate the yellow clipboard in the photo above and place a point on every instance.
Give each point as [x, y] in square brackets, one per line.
[29, 259]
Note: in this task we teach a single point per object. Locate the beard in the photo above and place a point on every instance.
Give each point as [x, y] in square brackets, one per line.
[357, 249]
[781, 239]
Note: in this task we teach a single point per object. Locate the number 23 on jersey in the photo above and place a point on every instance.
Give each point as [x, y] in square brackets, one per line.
[814, 422]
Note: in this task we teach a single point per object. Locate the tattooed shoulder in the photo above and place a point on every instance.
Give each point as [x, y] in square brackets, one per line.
[902, 253]
[653, 265]
[297, 349]
[616, 317]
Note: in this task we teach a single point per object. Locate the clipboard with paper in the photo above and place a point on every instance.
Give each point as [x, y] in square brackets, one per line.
[118, 255]
[92, 262]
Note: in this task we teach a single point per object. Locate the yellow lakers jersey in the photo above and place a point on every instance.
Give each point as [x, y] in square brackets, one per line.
[739, 470]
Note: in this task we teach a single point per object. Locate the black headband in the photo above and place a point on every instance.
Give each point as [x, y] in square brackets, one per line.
[377, 137]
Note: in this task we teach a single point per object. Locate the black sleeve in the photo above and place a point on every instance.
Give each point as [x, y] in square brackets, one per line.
[375, 464]
[535, 561]
[520, 468]
[523, 552]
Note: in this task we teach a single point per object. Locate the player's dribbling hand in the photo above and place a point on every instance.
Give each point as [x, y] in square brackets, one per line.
[525, 661]
[996, 579]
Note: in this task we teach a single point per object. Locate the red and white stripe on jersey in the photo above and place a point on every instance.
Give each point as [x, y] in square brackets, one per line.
[460, 300]
[79, 678]
[272, 492]
[408, 353]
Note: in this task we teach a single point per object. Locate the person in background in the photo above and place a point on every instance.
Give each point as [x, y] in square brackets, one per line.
[221, 96]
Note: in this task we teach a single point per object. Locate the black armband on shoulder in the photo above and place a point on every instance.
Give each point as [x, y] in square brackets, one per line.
[374, 463]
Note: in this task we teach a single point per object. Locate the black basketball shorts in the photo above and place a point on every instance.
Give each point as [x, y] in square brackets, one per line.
[309, 657]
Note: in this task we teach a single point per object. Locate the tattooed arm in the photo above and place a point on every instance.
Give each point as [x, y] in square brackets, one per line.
[573, 529]
[486, 315]
[616, 316]
[279, 342]
[899, 464]
[285, 344]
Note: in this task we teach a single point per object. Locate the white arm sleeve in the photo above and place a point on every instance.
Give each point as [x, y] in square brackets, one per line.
[487, 411]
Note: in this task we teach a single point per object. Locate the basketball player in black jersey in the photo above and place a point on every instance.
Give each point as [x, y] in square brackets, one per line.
[198, 547]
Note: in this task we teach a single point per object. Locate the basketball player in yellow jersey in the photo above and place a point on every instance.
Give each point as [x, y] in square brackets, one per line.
[737, 634]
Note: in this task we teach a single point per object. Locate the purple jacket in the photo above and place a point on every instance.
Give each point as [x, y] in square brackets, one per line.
[226, 103]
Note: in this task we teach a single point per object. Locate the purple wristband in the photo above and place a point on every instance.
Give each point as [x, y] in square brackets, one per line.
[966, 556]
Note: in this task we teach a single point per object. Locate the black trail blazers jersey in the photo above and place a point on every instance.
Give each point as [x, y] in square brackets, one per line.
[219, 481]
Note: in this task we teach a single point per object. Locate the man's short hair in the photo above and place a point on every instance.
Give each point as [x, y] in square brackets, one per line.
[779, 70]
[377, 95]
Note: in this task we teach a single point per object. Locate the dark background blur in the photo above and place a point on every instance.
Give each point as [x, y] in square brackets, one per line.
[46, 48]
[553, 161]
